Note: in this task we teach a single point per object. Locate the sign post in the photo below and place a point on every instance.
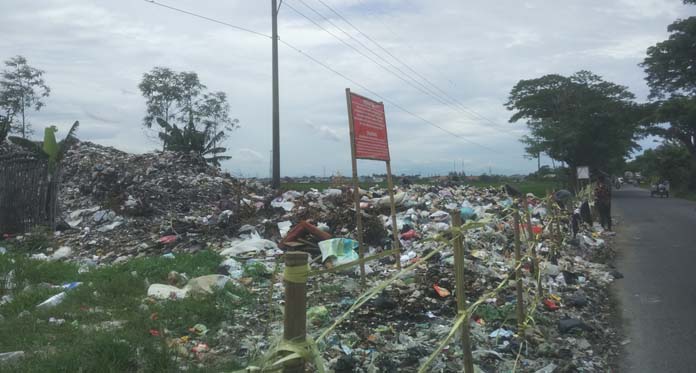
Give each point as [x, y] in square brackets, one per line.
[582, 173]
[368, 140]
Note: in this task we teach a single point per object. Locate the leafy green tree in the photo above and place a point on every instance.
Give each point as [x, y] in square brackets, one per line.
[162, 93]
[21, 87]
[671, 161]
[190, 89]
[670, 66]
[580, 120]
[213, 112]
[190, 119]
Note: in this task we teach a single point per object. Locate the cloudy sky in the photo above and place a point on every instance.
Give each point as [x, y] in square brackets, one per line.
[94, 53]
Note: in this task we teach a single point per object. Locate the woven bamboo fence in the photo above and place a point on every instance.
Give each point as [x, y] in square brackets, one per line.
[28, 193]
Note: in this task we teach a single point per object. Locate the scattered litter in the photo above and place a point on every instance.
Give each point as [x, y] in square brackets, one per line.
[341, 249]
[52, 301]
[501, 333]
[442, 292]
[8, 357]
[167, 239]
[61, 253]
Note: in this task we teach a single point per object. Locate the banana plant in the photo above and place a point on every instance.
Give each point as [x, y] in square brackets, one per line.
[49, 149]
[190, 139]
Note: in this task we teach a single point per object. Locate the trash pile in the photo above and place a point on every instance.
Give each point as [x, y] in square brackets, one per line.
[568, 324]
[7, 148]
[117, 206]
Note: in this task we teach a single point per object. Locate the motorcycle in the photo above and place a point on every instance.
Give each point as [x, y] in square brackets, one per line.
[660, 190]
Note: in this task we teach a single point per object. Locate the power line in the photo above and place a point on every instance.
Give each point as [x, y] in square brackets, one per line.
[359, 51]
[325, 66]
[427, 91]
[398, 60]
[208, 19]
[421, 87]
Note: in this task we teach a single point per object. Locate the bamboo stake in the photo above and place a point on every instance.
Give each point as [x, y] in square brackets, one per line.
[395, 230]
[295, 322]
[459, 292]
[518, 274]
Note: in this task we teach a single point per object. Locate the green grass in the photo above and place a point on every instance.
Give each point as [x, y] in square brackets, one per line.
[86, 342]
[685, 194]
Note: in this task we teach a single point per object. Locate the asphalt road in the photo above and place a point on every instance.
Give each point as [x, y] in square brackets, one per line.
[656, 244]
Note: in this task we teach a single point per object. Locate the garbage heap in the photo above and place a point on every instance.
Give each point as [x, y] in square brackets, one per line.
[117, 206]
[567, 324]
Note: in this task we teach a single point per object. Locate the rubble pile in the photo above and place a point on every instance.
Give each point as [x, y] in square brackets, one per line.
[117, 206]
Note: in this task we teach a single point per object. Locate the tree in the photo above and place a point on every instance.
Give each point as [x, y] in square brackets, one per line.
[671, 161]
[161, 90]
[190, 89]
[179, 103]
[670, 66]
[213, 111]
[21, 87]
[582, 119]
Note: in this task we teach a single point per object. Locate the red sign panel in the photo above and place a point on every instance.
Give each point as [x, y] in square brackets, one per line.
[369, 128]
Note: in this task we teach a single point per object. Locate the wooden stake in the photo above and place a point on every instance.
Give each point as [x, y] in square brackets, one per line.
[459, 292]
[356, 190]
[395, 244]
[295, 323]
[518, 273]
[531, 243]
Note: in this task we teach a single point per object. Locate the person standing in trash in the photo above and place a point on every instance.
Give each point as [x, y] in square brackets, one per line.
[602, 194]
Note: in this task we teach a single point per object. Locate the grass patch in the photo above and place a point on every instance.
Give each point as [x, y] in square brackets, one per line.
[39, 238]
[256, 271]
[108, 323]
[331, 289]
[685, 194]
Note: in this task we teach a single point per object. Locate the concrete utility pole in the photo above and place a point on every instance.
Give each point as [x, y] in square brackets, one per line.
[276, 110]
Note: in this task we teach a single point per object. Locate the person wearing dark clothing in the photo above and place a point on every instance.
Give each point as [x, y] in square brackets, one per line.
[575, 224]
[585, 213]
[603, 203]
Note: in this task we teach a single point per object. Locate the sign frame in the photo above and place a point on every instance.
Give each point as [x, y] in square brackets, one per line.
[583, 172]
[356, 184]
[379, 141]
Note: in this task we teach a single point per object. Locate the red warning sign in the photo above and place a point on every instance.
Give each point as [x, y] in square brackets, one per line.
[369, 128]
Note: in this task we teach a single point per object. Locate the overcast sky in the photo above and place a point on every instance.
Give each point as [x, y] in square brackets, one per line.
[95, 52]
